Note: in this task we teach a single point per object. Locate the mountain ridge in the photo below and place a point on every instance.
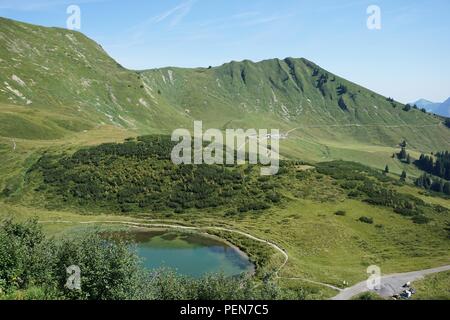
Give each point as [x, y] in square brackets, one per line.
[52, 69]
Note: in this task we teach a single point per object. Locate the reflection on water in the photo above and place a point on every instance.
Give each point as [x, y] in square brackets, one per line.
[190, 254]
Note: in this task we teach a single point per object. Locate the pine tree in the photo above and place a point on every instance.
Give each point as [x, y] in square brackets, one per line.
[342, 104]
[420, 182]
[437, 186]
[439, 167]
[403, 155]
[447, 188]
[403, 176]
[447, 122]
[427, 182]
[386, 170]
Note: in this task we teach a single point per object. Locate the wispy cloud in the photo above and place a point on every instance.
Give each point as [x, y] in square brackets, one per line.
[136, 34]
[176, 14]
[228, 20]
[266, 19]
[244, 21]
[212, 29]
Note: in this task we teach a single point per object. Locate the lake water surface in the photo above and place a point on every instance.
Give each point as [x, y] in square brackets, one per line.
[190, 254]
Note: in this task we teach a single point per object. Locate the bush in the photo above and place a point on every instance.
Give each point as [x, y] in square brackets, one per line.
[367, 220]
[138, 175]
[368, 296]
[341, 90]
[231, 212]
[340, 213]
[26, 257]
[447, 122]
[354, 194]
[349, 185]
[168, 285]
[421, 219]
[342, 104]
[408, 212]
[407, 108]
[273, 197]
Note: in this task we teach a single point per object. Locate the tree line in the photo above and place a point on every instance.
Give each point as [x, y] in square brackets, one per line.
[432, 183]
[439, 165]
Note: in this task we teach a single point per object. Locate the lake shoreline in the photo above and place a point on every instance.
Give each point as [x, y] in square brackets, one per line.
[203, 234]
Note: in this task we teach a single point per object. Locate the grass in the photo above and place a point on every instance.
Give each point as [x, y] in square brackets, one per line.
[321, 245]
[433, 198]
[85, 99]
[433, 287]
[333, 249]
[303, 290]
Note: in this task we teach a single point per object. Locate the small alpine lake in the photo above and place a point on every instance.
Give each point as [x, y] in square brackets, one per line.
[191, 254]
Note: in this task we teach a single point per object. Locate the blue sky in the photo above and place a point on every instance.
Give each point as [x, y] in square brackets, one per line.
[407, 59]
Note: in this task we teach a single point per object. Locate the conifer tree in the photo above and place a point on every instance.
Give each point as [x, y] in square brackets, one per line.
[403, 176]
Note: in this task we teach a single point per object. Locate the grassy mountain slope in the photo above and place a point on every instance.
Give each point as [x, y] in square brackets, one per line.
[60, 92]
[327, 117]
[66, 74]
[292, 90]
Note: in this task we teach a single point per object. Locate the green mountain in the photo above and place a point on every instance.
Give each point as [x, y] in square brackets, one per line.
[64, 102]
[54, 82]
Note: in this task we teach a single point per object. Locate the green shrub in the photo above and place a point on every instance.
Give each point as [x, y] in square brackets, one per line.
[408, 212]
[367, 220]
[231, 212]
[367, 296]
[447, 122]
[26, 257]
[421, 219]
[137, 176]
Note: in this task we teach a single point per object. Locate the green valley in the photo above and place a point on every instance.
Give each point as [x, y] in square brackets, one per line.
[85, 142]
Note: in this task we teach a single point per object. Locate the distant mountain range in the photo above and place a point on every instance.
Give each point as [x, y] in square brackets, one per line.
[442, 109]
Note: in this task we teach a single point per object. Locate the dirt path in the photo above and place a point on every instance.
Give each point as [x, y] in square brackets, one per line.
[181, 227]
[363, 126]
